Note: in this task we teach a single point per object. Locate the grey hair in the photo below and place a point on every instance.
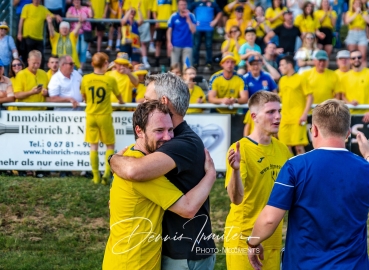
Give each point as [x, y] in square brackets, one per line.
[172, 87]
[63, 59]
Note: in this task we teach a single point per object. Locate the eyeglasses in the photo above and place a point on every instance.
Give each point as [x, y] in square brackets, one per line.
[235, 31]
[356, 57]
[71, 64]
[17, 65]
[309, 37]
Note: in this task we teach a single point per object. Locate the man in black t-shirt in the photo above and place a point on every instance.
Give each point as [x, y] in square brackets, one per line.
[287, 34]
[181, 161]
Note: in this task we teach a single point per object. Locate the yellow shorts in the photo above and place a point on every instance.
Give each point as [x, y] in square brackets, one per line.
[293, 135]
[237, 261]
[99, 127]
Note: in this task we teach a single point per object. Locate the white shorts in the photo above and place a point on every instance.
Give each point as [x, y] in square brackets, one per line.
[144, 30]
[356, 37]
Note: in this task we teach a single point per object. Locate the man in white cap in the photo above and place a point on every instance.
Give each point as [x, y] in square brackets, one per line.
[343, 63]
[226, 86]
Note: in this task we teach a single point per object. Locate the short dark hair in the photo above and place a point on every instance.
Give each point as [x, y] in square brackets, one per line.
[289, 59]
[142, 112]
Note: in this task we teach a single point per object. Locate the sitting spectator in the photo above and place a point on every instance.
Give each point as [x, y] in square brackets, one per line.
[287, 34]
[237, 21]
[247, 49]
[196, 93]
[65, 85]
[274, 14]
[307, 22]
[31, 28]
[327, 19]
[144, 6]
[53, 65]
[343, 64]
[64, 42]
[85, 32]
[227, 87]
[211, 13]
[261, 25]
[7, 47]
[248, 9]
[31, 83]
[256, 79]
[176, 70]
[162, 10]
[99, 9]
[233, 41]
[15, 66]
[305, 55]
[269, 58]
[6, 89]
[356, 19]
[126, 80]
[138, 92]
[115, 10]
[130, 43]
[181, 27]
[322, 81]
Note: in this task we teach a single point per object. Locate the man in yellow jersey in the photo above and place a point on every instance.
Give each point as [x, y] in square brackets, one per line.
[355, 85]
[226, 86]
[31, 27]
[343, 63]
[99, 8]
[145, 37]
[96, 89]
[253, 164]
[138, 93]
[126, 80]
[53, 65]
[64, 42]
[31, 83]
[196, 93]
[162, 10]
[137, 208]
[296, 102]
[322, 81]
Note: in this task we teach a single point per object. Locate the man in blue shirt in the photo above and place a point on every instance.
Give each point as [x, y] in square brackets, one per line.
[207, 14]
[326, 192]
[256, 79]
[181, 26]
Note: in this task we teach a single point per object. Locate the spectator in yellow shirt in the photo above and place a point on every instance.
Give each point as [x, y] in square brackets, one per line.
[99, 8]
[238, 20]
[64, 42]
[115, 10]
[274, 14]
[53, 65]
[248, 9]
[138, 93]
[31, 28]
[307, 22]
[234, 41]
[196, 93]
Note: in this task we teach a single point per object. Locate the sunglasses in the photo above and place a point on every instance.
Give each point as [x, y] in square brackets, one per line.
[356, 57]
[71, 64]
[17, 65]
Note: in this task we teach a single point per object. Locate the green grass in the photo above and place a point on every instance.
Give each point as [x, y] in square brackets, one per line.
[63, 223]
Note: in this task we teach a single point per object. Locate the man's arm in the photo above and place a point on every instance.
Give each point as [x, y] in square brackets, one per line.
[212, 96]
[132, 78]
[190, 203]
[50, 26]
[142, 169]
[25, 94]
[169, 39]
[264, 227]
[191, 25]
[363, 145]
[63, 99]
[235, 188]
[309, 102]
[20, 29]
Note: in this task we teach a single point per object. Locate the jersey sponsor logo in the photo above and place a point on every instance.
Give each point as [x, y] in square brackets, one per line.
[265, 85]
[251, 84]
[177, 21]
[260, 159]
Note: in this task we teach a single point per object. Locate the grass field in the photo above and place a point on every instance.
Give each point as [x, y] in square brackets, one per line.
[63, 223]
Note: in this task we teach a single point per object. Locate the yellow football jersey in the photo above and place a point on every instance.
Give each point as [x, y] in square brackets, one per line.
[34, 18]
[293, 96]
[307, 25]
[259, 168]
[271, 13]
[233, 22]
[340, 75]
[25, 81]
[49, 74]
[114, 5]
[260, 28]
[146, 7]
[136, 214]
[248, 120]
[327, 21]
[358, 22]
[232, 45]
[164, 10]
[323, 85]
[247, 12]
[196, 93]
[355, 86]
[98, 7]
[124, 85]
[227, 88]
[98, 88]
[73, 40]
[140, 91]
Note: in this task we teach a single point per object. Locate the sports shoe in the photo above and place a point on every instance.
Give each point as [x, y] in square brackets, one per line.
[108, 48]
[88, 55]
[117, 49]
[152, 48]
[209, 67]
[147, 65]
[220, 30]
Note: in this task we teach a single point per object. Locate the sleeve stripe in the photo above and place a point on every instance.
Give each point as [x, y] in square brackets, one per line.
[283, 184]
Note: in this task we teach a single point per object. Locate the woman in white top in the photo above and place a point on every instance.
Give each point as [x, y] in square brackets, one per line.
[305, 55]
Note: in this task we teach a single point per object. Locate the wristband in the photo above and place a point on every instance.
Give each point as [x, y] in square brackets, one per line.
[248, 243]
[109, 158]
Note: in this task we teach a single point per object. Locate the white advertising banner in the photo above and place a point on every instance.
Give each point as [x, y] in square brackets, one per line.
[54, 140]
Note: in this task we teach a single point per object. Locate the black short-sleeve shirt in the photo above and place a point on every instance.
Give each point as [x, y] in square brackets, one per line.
[187, 151]
[287, 38]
